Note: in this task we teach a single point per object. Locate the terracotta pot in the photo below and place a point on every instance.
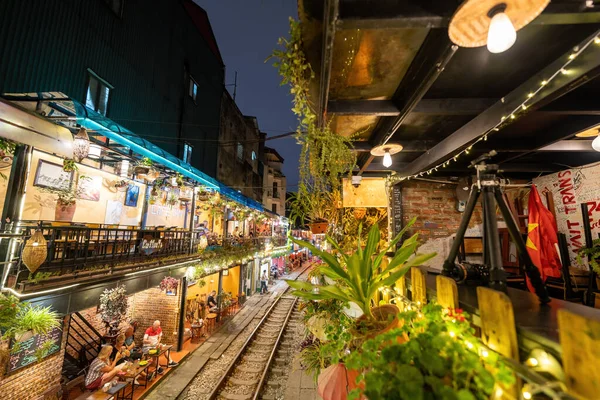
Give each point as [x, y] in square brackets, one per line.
[382, 313]
[140, 169]
[335, 382]
[64, 212]
[319, 227]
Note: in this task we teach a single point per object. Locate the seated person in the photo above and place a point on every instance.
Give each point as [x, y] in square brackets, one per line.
[120, 349]
[152, 338]
[212, 301]
[102, 370]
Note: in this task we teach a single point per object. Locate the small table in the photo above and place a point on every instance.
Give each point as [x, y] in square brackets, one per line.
[101, 395]
[210, 320]
[134, 373]
[156, 357]
[196, 331]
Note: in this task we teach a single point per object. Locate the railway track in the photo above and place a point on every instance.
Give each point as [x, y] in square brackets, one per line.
[261, 354]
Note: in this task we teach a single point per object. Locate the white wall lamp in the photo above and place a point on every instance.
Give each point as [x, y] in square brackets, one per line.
[492, 22]
[95, 152]
[386, 151]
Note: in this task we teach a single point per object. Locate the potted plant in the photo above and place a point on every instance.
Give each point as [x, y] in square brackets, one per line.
[172, 199]
[113, 307]
[169, 285]
[442, 359]
[593, 255]
[143, 166]
[69, 165]
[360, 275]
[21, 320]
[66, 199]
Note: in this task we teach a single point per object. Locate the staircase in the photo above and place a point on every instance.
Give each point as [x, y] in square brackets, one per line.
[83, 345]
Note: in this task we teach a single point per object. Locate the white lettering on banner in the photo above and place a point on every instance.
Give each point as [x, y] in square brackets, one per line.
[165, 211]
[570, 189]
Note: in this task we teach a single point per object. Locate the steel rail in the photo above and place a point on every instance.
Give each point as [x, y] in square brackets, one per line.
[230, 368]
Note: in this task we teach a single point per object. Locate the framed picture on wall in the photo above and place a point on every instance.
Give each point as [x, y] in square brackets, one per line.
[89, 188]
[131, 198]
[50, 175]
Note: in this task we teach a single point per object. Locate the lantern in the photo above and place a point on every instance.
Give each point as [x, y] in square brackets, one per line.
[81, 145]
[35, 251]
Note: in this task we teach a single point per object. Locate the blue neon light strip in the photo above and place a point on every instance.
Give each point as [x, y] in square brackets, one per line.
[119, 134]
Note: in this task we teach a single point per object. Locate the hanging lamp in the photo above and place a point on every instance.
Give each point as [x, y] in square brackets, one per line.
[386, 151]
[81, 145]
[492, 22]
[35, 251]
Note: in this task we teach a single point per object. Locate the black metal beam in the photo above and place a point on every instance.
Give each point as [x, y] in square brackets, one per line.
[361, 14]
[331, 12]
[452, 106]
[420, 146]
[585, 67]
[555, 137]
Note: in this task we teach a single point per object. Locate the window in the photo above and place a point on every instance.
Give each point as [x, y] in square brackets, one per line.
[193, 89]
[240, 151]
[116, 6]
[253, 155]
[97, 94]
[187, 152]
[275, 191]
[274, 208]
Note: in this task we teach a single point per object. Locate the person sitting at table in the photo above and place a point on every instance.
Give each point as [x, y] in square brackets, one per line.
[152, 338]
[102, 370]
[120, 349]
[212, 301]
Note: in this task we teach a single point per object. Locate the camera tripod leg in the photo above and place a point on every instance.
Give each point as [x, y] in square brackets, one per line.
[493, 253]
[460, 233]
[530, 269]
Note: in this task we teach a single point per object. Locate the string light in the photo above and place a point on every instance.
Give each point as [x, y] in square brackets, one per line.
[523, 106]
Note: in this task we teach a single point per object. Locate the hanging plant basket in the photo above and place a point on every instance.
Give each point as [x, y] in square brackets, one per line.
[386, 319]
[24, 336]
[141, 169]
[35, 251]
[319, 227]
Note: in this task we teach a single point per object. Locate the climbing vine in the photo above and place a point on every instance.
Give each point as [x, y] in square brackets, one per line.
[324, 156]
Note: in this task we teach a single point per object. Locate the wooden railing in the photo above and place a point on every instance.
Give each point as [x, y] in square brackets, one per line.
[565, 370]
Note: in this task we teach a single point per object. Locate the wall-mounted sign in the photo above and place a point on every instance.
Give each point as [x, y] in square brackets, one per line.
[151, 245]
[50, 175]
[24, 354]
[370, 193]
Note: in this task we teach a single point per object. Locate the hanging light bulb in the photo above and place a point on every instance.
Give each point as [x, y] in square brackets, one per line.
[387, 159]
[502, 34]
[596, 143]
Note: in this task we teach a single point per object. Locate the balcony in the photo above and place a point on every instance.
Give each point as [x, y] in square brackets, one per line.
[85, 255]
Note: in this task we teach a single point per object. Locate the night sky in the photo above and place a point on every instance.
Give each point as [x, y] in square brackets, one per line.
[247, 32]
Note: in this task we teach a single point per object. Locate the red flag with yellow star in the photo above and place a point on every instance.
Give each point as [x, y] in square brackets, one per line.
[542, 238]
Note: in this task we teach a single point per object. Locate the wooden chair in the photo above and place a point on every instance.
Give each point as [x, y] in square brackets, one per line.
[574, 281]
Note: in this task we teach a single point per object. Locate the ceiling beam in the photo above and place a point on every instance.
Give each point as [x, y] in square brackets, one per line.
[435, 52]
[420, 146]
[553, 139]
[360, 14]
[584, 67]
[331, 11]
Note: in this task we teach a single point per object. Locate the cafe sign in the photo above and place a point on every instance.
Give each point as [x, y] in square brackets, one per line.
[151, 245]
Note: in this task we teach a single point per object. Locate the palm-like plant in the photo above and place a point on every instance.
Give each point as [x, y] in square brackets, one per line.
[361, 274]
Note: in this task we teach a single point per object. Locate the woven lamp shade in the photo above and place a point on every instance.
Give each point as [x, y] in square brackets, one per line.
[35, 251]
[470, 24]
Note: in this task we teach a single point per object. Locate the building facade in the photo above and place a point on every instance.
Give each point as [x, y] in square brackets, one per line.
[153, 68]
[239, 160]
[275, 183]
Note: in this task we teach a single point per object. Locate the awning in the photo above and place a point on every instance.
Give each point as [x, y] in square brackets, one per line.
[24, 127]
[57, 104]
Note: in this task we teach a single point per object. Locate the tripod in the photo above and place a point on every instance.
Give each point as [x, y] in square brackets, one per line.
[488, 186]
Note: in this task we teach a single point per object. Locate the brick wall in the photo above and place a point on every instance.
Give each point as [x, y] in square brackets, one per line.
[153, 304]
[434, 205]
[34, 380]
